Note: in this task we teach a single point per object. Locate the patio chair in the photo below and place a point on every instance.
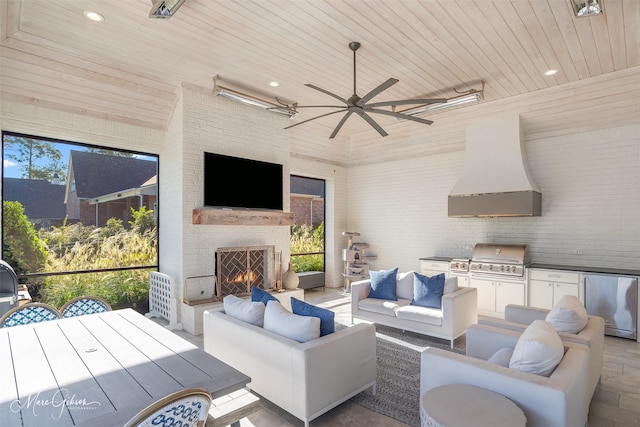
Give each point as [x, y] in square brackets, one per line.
[32, 312]
[84, 305]
[190, 407]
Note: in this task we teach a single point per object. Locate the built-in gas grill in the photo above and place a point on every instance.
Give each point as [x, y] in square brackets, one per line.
[499, 260]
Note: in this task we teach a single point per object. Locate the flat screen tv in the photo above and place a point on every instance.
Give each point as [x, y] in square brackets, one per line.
[237, 183]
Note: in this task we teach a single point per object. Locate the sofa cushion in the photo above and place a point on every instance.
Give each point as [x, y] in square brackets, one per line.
[261, 295]
[327, 317]
[501, 357]
[383, 284]
[450, 285]
[417, 313]
[404, 285]
[427, 291]
[247, 311]
[538, 350]
[568, 315]
[279, 320]
[381, 306]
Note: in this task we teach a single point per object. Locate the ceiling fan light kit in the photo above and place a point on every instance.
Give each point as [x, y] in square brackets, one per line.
[235, 95]
[362, 107]
[165, 8]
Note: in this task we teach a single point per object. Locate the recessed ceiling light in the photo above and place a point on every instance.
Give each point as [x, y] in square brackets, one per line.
[274, 84]
[94, 16]
[550, 72]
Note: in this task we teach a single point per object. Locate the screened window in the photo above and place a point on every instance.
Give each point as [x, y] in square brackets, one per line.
[78, 216]
[307, 233]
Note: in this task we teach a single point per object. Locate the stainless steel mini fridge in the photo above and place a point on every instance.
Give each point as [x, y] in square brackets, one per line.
[615, 298]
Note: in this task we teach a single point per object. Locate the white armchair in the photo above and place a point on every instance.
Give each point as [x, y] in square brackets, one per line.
[559, 400]
[518, 317]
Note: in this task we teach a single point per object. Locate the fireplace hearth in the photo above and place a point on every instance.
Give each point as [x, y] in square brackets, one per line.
[240, 268]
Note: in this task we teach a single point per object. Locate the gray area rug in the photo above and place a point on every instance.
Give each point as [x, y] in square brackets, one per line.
[398, 386]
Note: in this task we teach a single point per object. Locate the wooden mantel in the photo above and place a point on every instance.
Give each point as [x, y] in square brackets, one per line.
[216, 216]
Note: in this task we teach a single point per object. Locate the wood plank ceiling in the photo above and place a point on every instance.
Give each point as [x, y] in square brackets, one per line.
[129, 68]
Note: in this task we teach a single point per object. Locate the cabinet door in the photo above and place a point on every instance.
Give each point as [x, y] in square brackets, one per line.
[486, 294]
[463, 281]
[562, 289]
[509, 293]
[541, 294]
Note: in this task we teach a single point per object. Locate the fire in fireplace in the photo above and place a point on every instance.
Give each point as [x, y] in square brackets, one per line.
[240, 268]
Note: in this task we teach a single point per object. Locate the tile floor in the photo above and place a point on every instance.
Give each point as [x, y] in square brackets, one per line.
[616, 402]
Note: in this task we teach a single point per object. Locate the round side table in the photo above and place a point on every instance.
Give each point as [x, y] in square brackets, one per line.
[461, 405]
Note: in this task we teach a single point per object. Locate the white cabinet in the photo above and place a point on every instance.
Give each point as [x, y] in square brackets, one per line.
[463, 280]
[433, 267]
[546, 287]
[494, 295]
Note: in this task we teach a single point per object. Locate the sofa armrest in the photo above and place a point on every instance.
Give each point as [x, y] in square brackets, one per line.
[359, 291]
[459, 310]
[523, 314]
[483, 340]
[333, 367]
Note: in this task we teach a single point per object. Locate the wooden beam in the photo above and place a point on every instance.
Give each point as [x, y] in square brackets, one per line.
[215, 216]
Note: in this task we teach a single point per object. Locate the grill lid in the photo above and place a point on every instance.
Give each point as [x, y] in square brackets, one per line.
[499, 259]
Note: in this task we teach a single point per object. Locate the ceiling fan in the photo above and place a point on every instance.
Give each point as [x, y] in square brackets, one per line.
[362, 107]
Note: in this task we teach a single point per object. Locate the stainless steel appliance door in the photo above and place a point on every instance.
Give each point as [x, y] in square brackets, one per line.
[615, 298]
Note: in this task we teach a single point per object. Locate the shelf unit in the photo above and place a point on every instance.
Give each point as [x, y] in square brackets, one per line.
[356, 260]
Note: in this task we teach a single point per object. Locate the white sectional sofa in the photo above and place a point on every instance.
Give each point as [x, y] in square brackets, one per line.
[305, 379]
[559, 400]
[458, 311]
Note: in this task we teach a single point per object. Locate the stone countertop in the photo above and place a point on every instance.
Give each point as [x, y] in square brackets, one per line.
[435, 258]
[586, 269]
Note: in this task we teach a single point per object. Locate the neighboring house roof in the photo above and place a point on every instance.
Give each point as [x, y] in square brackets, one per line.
[99, 174]
[40, 199]
[309, 186]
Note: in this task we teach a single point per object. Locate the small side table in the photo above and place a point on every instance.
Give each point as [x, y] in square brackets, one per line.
[461, 405]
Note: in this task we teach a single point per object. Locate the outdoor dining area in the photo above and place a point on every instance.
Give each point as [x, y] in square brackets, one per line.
[88, 365]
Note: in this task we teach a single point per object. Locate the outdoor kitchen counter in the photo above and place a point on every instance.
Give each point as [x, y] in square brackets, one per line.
[585, 269]
[435, 258]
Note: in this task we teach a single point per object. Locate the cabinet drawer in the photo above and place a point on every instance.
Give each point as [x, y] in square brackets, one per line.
[555, 276]
[441, 266]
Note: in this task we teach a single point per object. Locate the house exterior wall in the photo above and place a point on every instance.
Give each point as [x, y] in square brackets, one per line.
[307, 210]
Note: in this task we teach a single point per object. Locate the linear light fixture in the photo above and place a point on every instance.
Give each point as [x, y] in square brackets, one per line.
[165, 8]
[586, 7]
[472, 95]
[237, 96]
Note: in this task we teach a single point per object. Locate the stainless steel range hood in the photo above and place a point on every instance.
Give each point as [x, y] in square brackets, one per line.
[495, 179]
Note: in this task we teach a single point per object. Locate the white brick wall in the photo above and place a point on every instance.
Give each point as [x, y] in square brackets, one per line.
[590, 204]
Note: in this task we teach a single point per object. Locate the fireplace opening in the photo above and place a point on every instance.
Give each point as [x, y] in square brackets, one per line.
[240, 268]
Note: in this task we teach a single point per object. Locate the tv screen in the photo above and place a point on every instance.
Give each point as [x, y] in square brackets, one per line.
[234, 182]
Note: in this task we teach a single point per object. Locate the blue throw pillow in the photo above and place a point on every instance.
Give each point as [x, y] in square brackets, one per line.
[327, 317]
[383, 284]
[261, 295]
[427, 291]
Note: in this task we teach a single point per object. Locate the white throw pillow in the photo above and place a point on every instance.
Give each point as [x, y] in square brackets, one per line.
[247, 311]
[450, 285]
[293, 326]
[404, 285]
[568, 315]
[501, 357]
[538, 350]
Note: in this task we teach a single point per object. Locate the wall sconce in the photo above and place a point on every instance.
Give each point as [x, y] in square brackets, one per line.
[165, 8]
[586, 7]
[472, 95]
[235, 95]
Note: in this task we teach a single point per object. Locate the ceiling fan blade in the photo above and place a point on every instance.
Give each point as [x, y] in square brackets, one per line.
[320, 106]
[407, 102]
[384, 86]
[327, 92]
[399, 116]
[317, 117]
[369, 120]
[337, 129]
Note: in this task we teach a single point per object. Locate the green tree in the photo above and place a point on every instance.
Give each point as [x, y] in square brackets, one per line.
[21, 243]
[305, 239]
[38, 159]
[143, 221]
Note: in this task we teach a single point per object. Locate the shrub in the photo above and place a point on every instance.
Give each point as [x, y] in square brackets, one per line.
[305, 239]
[24, 251]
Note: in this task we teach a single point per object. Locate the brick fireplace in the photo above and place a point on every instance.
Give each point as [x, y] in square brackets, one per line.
[240, 268]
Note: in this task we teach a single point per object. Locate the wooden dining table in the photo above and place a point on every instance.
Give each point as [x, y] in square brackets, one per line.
[99, 370]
